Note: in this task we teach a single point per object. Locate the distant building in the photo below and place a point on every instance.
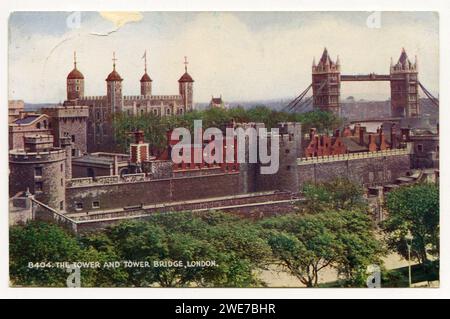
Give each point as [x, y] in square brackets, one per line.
[29, 124]
[15, 107]
[354, 140]
[100, 133]
[216, 102]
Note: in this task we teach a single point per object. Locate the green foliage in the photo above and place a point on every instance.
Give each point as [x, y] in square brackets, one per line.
[40, 242]
[334, 195]
[155, 127]
[416, 209]
[305, 245]
[235, 246]
[323, 121]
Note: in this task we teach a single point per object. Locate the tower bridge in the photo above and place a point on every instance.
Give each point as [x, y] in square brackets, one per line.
[326, 87]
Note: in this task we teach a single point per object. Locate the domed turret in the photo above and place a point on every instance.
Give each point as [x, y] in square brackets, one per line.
[146, 81]
[75, 82]
[185, 84]
[114, 88]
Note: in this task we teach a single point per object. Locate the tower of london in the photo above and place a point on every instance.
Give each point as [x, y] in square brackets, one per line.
[100, 133]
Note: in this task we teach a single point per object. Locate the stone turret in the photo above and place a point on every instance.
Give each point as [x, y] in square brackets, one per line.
[40, 168]
[326, 83]
[75, 82]
[186, 88]
[404, 87]
[114, 89]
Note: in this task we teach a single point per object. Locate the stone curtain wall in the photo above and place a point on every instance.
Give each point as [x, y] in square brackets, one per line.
[119, 195]
[380, 169]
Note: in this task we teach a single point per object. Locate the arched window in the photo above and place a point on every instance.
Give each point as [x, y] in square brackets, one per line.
[45, 124]
[38, 125]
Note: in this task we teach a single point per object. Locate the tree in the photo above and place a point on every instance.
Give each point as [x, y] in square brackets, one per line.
[233, 244]
[40, 243]
[416, 209]
[323, 121]
[305, 245]
[337, 194]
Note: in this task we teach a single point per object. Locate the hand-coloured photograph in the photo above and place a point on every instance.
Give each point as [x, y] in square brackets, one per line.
[223, 149]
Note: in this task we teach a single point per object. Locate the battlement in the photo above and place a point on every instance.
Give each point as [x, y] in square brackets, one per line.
[22, 156]
[107, 180]
[152, 97]
[93, 98]
[352, 156]
[68, 111]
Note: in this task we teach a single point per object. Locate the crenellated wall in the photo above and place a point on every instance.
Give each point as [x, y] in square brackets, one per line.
[363, 168]
[113, 192]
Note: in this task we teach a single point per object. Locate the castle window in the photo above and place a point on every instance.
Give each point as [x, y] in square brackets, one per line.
[38, 172]
[38, 126]
[95, 204]
[73, 138]
[61, 205]
[77, 88]
[288, 168]
[420, 148]
[78, 206]
[38, 187]
[74, 152]
[62, 167]
[62, 182]
[287, 151]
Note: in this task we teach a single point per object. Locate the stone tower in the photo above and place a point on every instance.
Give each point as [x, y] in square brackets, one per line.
[186, 85]
[41, 169]
[404, 87]
[326, 83]
[286, 178]
[146, 81]
[75, 82]
[114, 90]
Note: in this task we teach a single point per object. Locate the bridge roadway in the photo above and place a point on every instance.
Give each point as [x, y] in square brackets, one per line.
[369, 77]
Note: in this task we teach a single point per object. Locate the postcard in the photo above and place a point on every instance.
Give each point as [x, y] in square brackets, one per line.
[224, 149]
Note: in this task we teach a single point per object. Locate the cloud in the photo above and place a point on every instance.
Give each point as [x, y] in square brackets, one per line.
[227, 55]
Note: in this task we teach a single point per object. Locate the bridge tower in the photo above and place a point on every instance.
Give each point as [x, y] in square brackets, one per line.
[404, 87]
[326, 83]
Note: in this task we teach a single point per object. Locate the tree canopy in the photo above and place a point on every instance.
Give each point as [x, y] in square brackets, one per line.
[415, 209]
[306, 245]
[155, 127]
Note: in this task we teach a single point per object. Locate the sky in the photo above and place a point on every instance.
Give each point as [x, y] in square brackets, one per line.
[243, 56]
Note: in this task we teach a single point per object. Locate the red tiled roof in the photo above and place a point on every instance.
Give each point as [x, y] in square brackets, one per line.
[75, 74]
[186, 78]
[114, 76]
[146, 78]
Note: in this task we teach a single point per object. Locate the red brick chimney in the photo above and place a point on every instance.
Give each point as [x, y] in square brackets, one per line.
[362, 132]
[383, 144]
[372, 143]
[356, 129]
[312, 133]
[394, 140]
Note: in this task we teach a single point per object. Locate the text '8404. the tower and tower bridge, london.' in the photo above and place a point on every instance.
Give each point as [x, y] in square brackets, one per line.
[63, 166]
